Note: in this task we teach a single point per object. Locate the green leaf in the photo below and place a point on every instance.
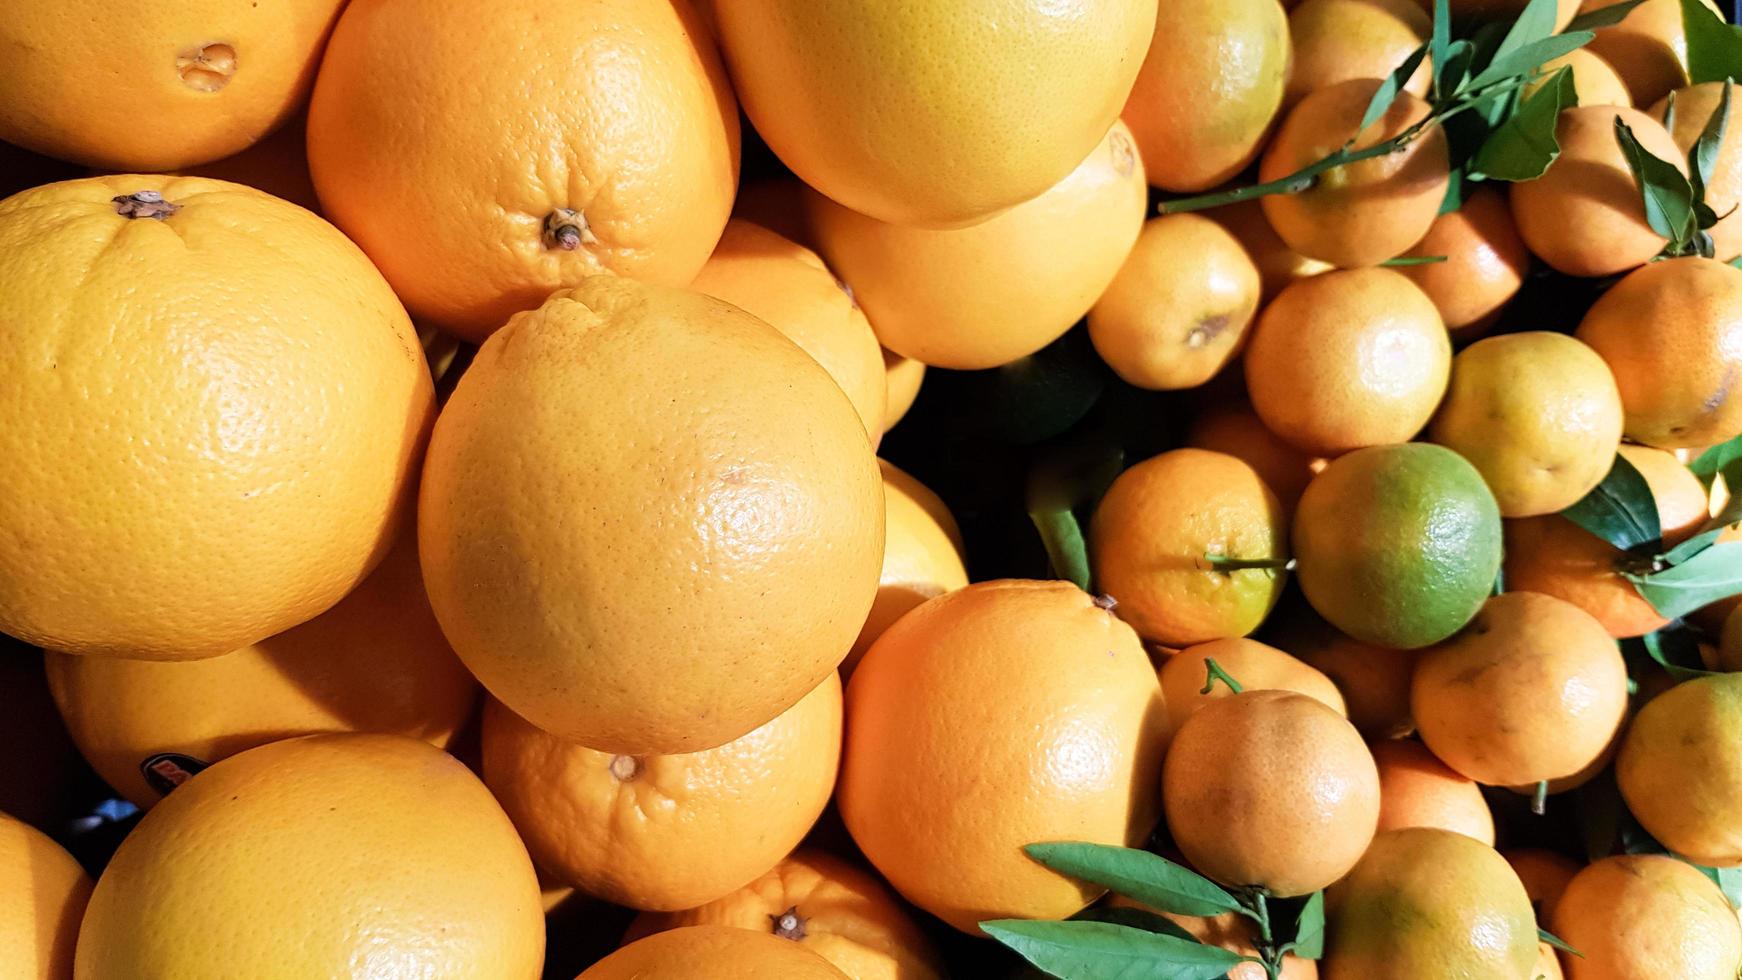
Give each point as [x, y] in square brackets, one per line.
[1058, 484]
[1676, 651]
[1105, 951]
[1408, 260]
[1440, 43]
[1713, 574]
[1149, 878]
[1730, 882]
[1665, 191]
[1143, 919]
[1309, 928]
[1703, 155]
[1524, 145]
[1620, 510]
[1453, 68]
[1603, 16]
[1534, 23]
[1528, 58]
[1557, 942]
[1714, 47]
[1692, 546]
[1388, 89]
[1718, 459]
[1062, 536]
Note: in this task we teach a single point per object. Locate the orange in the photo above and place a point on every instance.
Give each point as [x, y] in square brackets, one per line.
[1255, 666]
[1556, 557]
[1270, 788]
[1680, 769]
[319, 856]
[156, 85]
[1538, 414]
[1648, 47]
[481, 171]
[1374, 681]
[1239, 433]
[1426, 902]
[1694, 106]
[786, 286]
[642, 566]
[1416, 789]
[712, 952]
[1484, 267]
[1532, 689]
[902, 377]
[999, 715]
[1593, 79]
[928, 113]
[376, 662]
[1647, 915]
[1678, 381]
[1178, 310]
[1545, 875]
[1347, 359]
[246, 463]
[1584, 215]
[826, 905]
[666, 832]
[922, 556]
[1154, 530]
[1231, 931]
[972, 298]
[1360, 213]
[1278, 265]
[1208, 90]
[1337, 40]
[43, 892]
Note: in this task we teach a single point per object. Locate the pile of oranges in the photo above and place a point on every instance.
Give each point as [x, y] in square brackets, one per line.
[833, 488]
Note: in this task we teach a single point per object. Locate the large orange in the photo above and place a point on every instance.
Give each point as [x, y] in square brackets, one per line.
[1679, 769]
[1339, 40]
[1677, 380]
[933, 113]
[1207, 93]
[1360, 213]
[710, 952]
[971, 298]
[1584, 215]
[327, 855]
[1270, 788]
[1000, 715]
[790, 289]
[922, 556]
[1155, 529]
[826, 905]
[481, 170]
[1346, 359]
[376, 662]
[155, 85]
[226, 405]
[1532, 689]
[1484, 267]
[666, 832]
[1648, 48]
[649, 522]
[1647, 915]
[1416, 789]
[43, 892]
[1254, 666]
[1694, 106]
[1556, 557]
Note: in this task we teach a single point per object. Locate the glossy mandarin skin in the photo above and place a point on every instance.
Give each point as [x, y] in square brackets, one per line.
[1688, 802]
[922, 556]
[831, 907]
[1278, 264]
[1257, 666]
[475, 208]
[210, 77]
[1646, 915]
[43, 892]
[1694, 106]
[918, 113]
[1539, 416]
[1484, 267]
[1648, 48]
[539, 466]
[1001, 714]
[1416, 789]
[1155, 524]
[270, 863]
[376, 662]
[1374, 680]
[1339, 40]
[666, 832]
[1594, 79]
[1270, 788]
[710, 952]
[1362, 213]
[1425, 902]
[251, 458]
[1545, 875]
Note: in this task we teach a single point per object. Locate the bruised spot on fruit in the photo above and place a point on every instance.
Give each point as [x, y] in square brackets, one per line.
[1206, 330]
[567, 229]
[208, 67]
[788, 924]
[1717, 399]
[1124, 154]
[143, 204]
[625, 767]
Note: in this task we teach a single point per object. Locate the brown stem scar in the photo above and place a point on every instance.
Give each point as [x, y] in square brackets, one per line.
[143, 204]
[625, 767]
[788, 924]
[567, 229]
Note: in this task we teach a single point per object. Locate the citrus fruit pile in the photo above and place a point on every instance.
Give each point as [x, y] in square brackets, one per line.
[711, 489]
